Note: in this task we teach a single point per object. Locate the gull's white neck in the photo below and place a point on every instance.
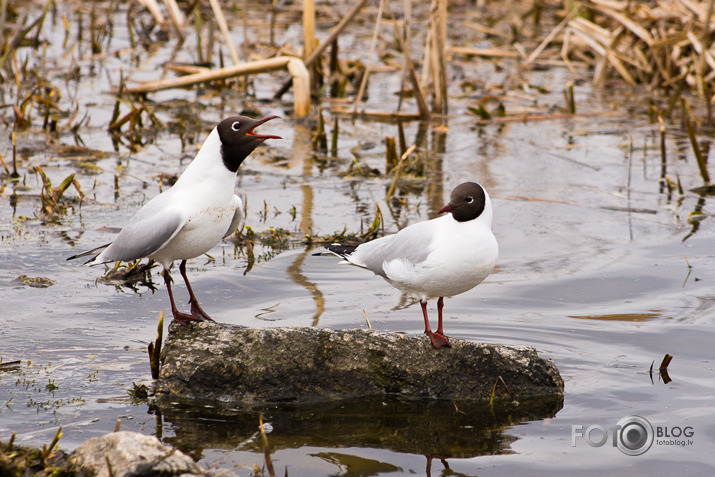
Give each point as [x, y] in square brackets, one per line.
[208, 163]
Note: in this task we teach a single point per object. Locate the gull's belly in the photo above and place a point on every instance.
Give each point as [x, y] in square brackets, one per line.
[448, 271]
[431, 282]
[198, 236]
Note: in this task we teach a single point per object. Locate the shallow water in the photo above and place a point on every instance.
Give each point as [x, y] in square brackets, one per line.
[601, 290]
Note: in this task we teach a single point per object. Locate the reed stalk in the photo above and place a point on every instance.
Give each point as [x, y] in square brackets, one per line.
[332, 36]
[177, 18]
[699, 157]
[308, 28]
[438, 38]
[223, 26]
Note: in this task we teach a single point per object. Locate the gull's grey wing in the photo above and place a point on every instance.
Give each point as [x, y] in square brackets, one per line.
[412, 244]
[143, 237]
[237, 220]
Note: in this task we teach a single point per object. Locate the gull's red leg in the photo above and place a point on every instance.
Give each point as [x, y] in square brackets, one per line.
[196, 310]
[440, 305]
[179, 317]
[438, 339]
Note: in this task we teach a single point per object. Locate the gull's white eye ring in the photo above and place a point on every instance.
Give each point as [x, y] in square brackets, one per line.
[236, 126]
[470, 199]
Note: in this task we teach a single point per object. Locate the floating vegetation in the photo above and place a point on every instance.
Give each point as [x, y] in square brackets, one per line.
[52, 198]
[39, 393]
[13, 365]
[34, 282]
[130, 274]
[138, 393]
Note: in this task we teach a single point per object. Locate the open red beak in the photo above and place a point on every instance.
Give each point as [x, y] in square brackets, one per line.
[262, 136]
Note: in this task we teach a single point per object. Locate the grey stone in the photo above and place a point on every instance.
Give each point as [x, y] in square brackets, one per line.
[235, 364]
[130, 454]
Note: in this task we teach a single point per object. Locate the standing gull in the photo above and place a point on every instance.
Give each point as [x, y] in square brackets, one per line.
[194, 215]
[441, 257]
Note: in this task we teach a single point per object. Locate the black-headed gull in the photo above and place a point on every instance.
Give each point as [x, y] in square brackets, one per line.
[436, 258]
[188, 219]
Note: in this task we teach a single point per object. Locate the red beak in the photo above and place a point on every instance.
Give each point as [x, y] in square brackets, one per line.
[447, 208]
[262, 136]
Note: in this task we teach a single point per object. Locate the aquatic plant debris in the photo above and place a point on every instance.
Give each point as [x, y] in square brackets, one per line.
[35, 282]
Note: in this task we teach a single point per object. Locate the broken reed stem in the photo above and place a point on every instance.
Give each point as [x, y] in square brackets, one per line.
[494, 389]
[666, 361]
[266, 447]
[4, 165]
[3, 14]
[48, 450]
[406, 32]
[369, 326]
[486, 52]
[308, 27]
[663, 156]
[334, 139]
[155, 349]
[702, 165]
[153, 8]
[393, 184]
[570, 100]
[337, 29]
[390, 152]
[177, 18]
[14, 174]
[705, 47]
[221, 20]
[544, 43]
[414, 79]
[438, 38]
[309, 39]
[373, 43]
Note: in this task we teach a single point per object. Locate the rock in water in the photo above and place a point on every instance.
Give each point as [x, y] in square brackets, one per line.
[125, 454]
[235, 364]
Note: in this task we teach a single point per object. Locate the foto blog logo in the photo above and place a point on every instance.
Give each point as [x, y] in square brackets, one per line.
[633, 435]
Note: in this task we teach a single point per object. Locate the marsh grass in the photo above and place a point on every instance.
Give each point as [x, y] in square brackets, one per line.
[19, 461]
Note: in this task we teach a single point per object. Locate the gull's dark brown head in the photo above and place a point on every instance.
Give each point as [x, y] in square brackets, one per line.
[239, 139]
[466, 202]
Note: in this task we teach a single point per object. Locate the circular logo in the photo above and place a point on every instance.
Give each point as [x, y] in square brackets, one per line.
[635, 435]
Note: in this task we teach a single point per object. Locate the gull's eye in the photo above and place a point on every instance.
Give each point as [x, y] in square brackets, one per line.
[236, 126]
[470, 199]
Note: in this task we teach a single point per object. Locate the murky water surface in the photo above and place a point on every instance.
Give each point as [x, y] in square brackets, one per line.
[601, 269]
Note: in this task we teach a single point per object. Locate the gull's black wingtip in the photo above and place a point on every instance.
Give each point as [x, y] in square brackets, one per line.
[340, 250]
[90, 253]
